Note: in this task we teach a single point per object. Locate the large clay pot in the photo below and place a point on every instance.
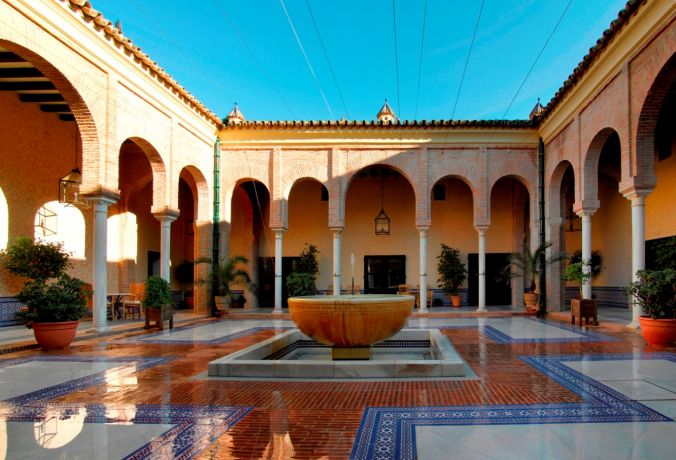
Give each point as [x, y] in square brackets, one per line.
[456, 300]
[659, 332]
[530, 301]
[52, 336]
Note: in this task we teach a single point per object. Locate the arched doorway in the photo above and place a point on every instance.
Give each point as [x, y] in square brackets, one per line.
[382, 261]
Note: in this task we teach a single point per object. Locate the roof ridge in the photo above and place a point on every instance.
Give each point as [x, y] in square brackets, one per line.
[101, 24]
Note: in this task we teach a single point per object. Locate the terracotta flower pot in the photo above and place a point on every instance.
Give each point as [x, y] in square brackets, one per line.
[52, 336]
[456, 300]
[659, 332]
[530, 301]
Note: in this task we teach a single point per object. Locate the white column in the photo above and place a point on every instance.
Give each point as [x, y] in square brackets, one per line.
[165, 245]
[100, 264]
[423, 269]
[637, 250]
[586, 253]
[482, 269]
[336, 260]
[279, 234]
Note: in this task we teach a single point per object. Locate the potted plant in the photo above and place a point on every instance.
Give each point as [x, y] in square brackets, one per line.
[157, 302]
[302, 281]
[223, 277]
[54, 301]
[452, 273]
[581, 308]
[655, 292]
[526, 265]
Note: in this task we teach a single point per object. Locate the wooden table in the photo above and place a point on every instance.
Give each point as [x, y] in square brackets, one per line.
[115, 299]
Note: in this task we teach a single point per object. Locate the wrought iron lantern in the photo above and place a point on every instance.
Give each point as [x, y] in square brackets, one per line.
[382, 221]
[69, 185]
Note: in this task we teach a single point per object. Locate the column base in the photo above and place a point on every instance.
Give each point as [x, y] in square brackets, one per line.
[632, 327]
[481, 310]
[98, 329]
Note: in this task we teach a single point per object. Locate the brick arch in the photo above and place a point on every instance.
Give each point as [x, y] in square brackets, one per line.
[587, 188]
[519, 170]
[203, 193]
[230, 193]
[302, 171]
[554, 190]
[160, 185]
[397, 168]
[643, 166]
[91, 175]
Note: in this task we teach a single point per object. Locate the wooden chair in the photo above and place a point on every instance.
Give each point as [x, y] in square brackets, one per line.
[131, 305]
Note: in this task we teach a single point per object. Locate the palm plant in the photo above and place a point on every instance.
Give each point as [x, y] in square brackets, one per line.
[230, 273]
[526, 264]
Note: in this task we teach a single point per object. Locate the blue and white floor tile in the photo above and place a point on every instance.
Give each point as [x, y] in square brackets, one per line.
[595, 428]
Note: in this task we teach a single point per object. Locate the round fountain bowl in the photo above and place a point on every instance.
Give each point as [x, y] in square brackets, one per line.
[350, 320]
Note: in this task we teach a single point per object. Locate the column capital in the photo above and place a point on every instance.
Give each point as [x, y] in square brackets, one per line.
[423, 228]
[101, 195]
[165, 213]
[632, 192]
[278, 230]
[337, 229]
[481, 229]
[582, 208]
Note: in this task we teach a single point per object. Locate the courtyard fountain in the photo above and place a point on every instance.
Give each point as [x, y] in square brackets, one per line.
[347, 336]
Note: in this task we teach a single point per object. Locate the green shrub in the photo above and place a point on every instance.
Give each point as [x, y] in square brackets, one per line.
[49, 294]
[655, 292]
[452, 272]
[157, 292]
[300, 284]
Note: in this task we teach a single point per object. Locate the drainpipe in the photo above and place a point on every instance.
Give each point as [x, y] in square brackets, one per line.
[216, 228]
[541, 208]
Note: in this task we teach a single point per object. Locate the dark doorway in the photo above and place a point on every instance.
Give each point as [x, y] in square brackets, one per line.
[498, 288]
[266, 280]
[153, 263]
[384, 274]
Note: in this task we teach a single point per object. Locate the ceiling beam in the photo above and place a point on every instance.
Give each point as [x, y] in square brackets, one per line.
[7, 57]
[20, 72]
[55, 108]
[66, 117]
[26, 85]
[41, 97]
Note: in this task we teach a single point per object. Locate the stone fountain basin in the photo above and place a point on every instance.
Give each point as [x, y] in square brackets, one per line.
[350, 320]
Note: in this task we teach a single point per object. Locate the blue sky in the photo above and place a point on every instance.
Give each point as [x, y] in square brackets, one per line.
[259, 64]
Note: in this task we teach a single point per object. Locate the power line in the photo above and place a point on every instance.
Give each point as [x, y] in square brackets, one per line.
[328, 61]
[469, 53]
[422, 44]
[537, 58]
[396, 54]
[186, 56]
[307, 60]
[253, 57]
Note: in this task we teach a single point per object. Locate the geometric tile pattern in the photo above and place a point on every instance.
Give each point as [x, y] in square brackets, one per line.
[583, 335]
[130, 364]
[155, 337]
[195, 426]
[389, 433]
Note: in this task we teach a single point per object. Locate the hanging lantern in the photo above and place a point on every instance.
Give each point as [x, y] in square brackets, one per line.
[69, 187]
[382, 221]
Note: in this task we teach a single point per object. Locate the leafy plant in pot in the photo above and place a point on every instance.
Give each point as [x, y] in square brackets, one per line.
[223, 278]
[54, 300]
[157, 302]
[655, 293]
[452, 273]
[302, 281]
[581, 307]
[526, 265]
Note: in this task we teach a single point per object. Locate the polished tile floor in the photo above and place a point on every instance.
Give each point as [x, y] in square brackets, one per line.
[537, 389]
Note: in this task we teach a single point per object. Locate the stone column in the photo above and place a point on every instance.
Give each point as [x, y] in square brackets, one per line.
[337, 232]
[586, 252]
[165, 218]
[279, 236]
[423, 268]
[637, 250]
[482, 268]
[100, 278]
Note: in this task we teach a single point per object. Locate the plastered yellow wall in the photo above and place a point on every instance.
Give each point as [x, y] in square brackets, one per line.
[660, 205]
